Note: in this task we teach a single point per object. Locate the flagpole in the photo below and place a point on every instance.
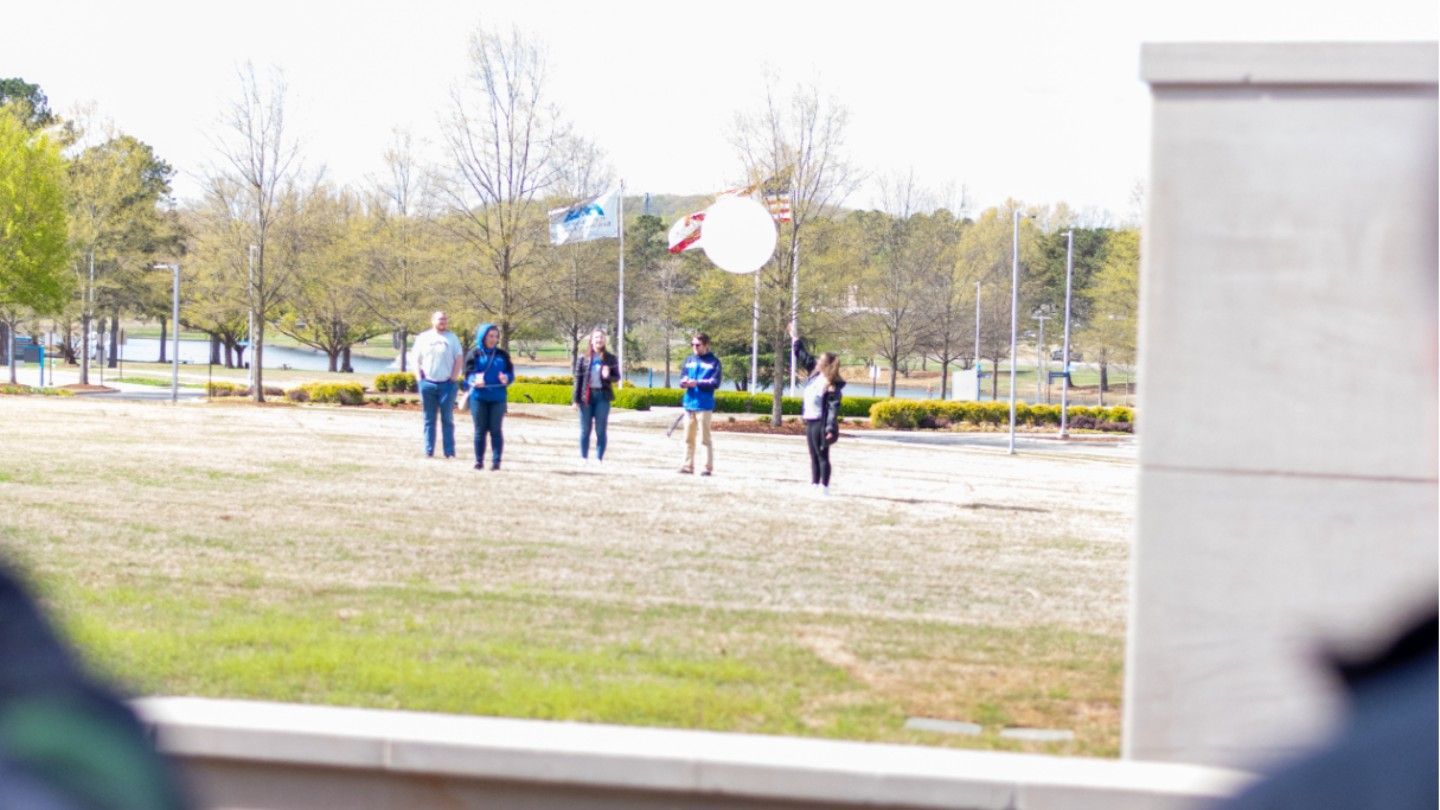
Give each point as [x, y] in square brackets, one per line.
[620, 330]
[794, 302]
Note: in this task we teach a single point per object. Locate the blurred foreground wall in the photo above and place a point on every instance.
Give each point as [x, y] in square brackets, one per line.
[1288, 358]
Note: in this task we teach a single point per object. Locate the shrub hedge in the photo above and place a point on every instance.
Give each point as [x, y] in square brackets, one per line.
[909, 414]
[557, 390]
[548, 379]
[542, 393]
[225, 388]
[333, 392]
[396, 382]
[17, 389]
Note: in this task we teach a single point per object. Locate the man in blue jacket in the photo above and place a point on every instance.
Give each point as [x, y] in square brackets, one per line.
[700, 376]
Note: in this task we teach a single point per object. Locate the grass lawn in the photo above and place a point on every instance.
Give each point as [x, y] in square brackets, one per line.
[311, 554]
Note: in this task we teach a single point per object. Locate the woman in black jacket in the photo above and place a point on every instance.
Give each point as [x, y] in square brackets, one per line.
[821, 408]
[596, 373]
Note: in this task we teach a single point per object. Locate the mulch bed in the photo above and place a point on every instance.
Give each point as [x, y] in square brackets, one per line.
[87, 389]
[789, 427]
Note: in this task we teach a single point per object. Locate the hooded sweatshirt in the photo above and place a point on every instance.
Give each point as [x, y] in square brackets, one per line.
[483, 368]
[704, 371]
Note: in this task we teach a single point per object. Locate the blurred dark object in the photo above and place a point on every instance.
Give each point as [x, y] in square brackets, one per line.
[65, 742]
[1385, 755]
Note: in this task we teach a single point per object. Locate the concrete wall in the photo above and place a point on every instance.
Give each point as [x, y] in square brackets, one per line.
[241, 754]
[1287, 497]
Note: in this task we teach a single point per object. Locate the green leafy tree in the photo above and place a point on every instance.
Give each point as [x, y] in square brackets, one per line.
[34, 235]
[27, 101]
[909, 254]
[1114, 298]
[654, 291]
[119, 228]
[215, 272]
[985, 255]
[323, 242]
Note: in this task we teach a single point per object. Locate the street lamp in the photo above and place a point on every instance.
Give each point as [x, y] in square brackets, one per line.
[1065, 354]
[174, 267]
[1014, 309]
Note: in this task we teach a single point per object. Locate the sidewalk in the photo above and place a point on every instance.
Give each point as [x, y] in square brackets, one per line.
[28, 374]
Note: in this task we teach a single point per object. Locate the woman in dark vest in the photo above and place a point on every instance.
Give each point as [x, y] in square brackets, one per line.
[596, 373]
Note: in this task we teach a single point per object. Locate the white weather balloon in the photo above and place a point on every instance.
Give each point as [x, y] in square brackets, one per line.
[738, 234]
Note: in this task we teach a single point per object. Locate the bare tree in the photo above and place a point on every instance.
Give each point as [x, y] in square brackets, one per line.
[795, 144]
[911, 251]
[398, 264]
[504, 146]
[260, 159]
[587, 297]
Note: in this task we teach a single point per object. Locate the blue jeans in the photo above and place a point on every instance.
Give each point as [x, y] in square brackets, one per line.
[439, 397]
[597, 411]
[488, 417]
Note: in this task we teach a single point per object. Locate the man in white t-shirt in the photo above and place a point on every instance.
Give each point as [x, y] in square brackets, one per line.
[436, 358]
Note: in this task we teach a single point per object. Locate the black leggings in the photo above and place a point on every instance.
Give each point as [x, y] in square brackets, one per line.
[819, 451]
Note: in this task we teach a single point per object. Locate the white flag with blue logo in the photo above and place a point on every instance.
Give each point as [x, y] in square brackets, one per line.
[593, 219]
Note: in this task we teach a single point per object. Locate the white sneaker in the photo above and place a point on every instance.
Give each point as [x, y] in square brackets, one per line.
[825, 490]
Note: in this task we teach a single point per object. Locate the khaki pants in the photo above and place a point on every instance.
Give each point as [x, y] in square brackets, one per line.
[702, 418]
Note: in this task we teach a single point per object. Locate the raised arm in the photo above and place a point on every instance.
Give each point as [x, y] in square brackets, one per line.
[804, 358]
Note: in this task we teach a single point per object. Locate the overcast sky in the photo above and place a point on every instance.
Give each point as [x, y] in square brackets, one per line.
[1039, 101]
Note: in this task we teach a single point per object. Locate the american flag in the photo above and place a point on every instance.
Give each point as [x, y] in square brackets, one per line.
[685, 233]
[777, 202]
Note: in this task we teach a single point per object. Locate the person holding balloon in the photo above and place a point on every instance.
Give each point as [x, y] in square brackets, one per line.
[699, 377]
[820, 407]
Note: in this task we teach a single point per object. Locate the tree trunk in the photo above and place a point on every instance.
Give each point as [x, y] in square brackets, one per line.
[1104, 377]
[892, 378]
[67, 346]
[334, 356]
[7, 336]
[667, 354]
[782, 373]
[114, 341]
[257, 352]
[85, 349]
[944, 377]
[214, 350]
[163, 323]
[97, 354]
[994, 379]
[345, 361]
[404, 348]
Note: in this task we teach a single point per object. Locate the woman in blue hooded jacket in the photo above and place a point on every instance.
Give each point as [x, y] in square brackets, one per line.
[488, 373]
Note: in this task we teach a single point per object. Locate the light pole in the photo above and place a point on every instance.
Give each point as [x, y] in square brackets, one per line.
[174, 319]
[1014, 309]
[1065, 352]
[977, 342]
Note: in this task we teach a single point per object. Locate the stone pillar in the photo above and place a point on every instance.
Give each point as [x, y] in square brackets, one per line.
[1287, 495]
